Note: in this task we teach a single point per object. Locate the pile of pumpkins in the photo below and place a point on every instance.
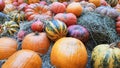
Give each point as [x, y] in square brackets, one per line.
[55, 22]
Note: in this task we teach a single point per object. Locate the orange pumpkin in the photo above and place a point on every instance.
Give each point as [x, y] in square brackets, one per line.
[96, 2]
[7, 47]
[68, 52]
[23, 59]
[28, 1]
[37, 42]
[74, 8]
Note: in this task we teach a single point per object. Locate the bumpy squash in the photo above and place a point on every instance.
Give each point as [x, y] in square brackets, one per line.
[106, 56]
[113, 3]
[55, 29]
[23, 59]
[68, 52]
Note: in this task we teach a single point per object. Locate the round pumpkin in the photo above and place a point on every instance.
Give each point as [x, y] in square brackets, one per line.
[96, 2]
[55, 29]
[68, 52]
[105, 56]
[37, 26]
[74, 8]
[28, 1]
[57, 7]
[67, 18]
[36, 9]
[8, 8]
[37, 42]
[2, 5]
[79, 32]
[23, 59]
[8, 46]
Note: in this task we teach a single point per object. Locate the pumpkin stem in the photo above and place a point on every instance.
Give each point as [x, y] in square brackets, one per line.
[115, 44]
[36, 33]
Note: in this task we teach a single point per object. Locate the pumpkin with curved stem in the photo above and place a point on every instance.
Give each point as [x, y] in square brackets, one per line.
[23, 59]
[8, 8]
[106, 56]
[97, 3]
[55, 29]
[68, 52]
[67, 18]
[8, 46]
[57, 7]
[38, 42]
[36, 9]
[74, 8]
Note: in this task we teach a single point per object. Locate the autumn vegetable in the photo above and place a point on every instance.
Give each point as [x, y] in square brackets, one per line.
[2, 5]
[74, 8]
[97, 3]
[36, 9]
[55, 29]
[23, 59]
[67, 18]
[37, 42]
[57, 7]
[8, 8]
[37, 26]
[68, 52]
[8, 46]
[59, 0]
[79, 32]
[21, 34]
[28, 1]
[112, 3]
[105, 55]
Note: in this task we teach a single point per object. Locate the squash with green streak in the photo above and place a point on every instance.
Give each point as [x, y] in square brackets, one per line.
[17, 16]
[113, 3]
[106, 56]
[55, 29]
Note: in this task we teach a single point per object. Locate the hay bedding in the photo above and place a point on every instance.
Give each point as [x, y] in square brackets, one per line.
[101, 28]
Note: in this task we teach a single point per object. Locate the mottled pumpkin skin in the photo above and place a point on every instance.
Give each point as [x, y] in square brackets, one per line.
[68, 52]
[23, 59]
[55, 29]
[8, 46]
[79, 32]
[105, 57]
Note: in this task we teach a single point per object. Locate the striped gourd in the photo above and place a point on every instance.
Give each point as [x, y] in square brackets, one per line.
[55, 29]
[17, 16]
[105, 56]
[113, 3]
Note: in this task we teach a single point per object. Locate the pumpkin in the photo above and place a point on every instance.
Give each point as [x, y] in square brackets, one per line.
[117, 7]
[79, 32]
[37, 26]
[107, 11]
[8, 1]
[36, 9]
[23, 59]
[103, 2]
[28, 1]
[112, 3]
[37, 42]
[55, 29]
[118, 27]
[8, 8]
[2, 5]
[106, 56]
[22, 6]
[68, 52]
[97, 3]
[74, 8]
[8, 46]
[21, 34]
[118, 18]
[43, 2]
[59, 0]
[17, 16]
[9, 27]
[67, 18]
[57, 7]
[87, 6]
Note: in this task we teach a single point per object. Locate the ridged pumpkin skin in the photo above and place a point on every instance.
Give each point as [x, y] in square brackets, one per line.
[37, 42]
[68, 52]
[23, 59]
[104, 56]
[8, 46]
[96, 2]
[74, 8]
[55, 29]
[113, 3]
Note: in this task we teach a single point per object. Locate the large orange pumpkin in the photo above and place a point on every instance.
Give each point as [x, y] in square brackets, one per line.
[68, 52]
[23, 59]
[7, 47]
[96, 2]
[74, 8]
[37, 42]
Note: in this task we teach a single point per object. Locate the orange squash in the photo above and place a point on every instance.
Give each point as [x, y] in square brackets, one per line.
[7, 47]
[37, 42]
[23, 59]
[74, 8]
[68, 52]
[96, 2]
